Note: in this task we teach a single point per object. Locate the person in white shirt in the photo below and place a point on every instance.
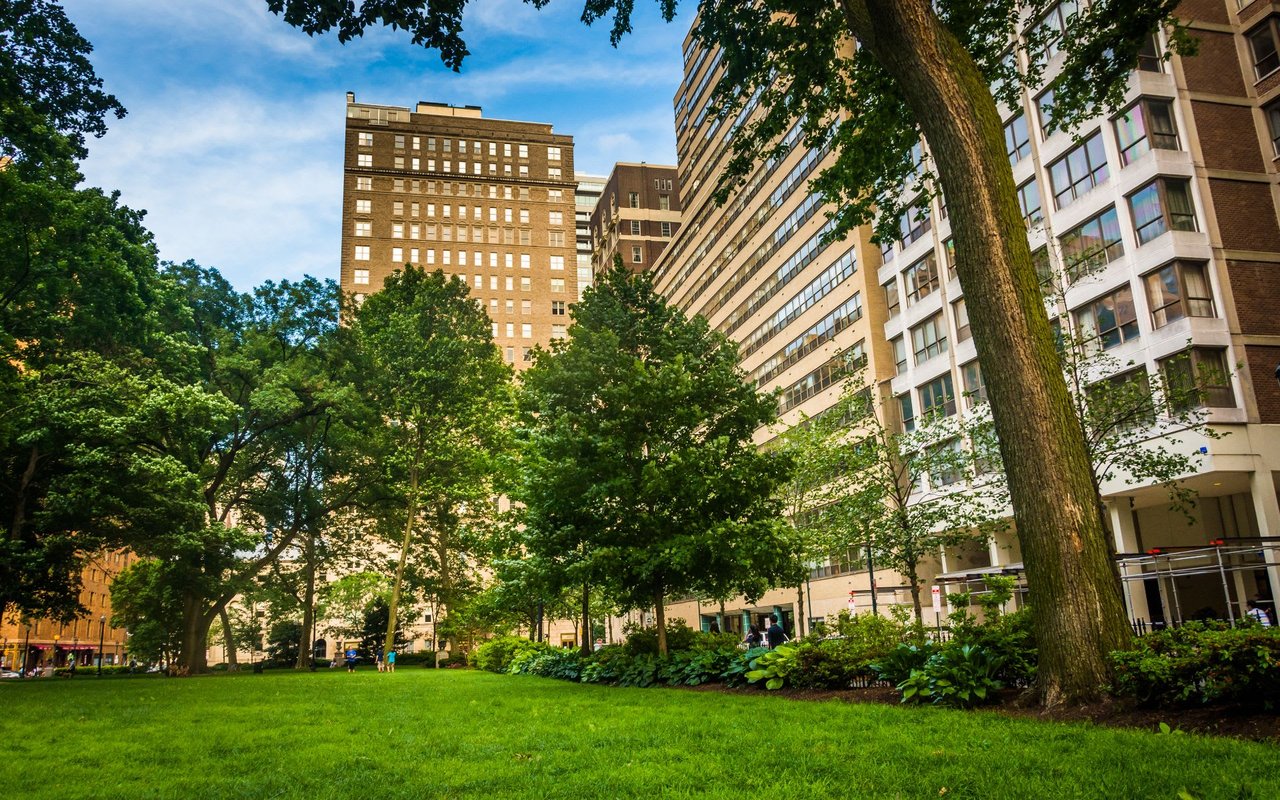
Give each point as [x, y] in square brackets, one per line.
[1258, 613]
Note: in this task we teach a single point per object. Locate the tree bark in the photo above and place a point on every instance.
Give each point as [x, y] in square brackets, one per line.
[660, 616]
[1076, 605]
[390, 642]
[306, 652]
[233, 658]
[192, 658]
[586, 620]
[800, 615]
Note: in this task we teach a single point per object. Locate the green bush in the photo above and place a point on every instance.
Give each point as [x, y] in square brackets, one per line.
[1201, 663]
[898, 664]
[644, 641]
[497, 654]
[775, 666]
[961, 676]
[605, 665]
[548, 662]
[736, 673]
[695, 667]
[1011, 637]
[640, 671]
[834, 664]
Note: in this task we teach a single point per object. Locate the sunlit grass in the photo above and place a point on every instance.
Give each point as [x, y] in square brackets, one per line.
[427, 734]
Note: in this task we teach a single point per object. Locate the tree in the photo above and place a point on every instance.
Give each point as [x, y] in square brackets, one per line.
[143, 602]
[424, 358]
[640, 460]
[921, 67]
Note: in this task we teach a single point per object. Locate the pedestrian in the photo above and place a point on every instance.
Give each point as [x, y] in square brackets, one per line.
[599, 645]
[351, 660]
[377, 659]
[71, 663]
[1258, 614]
[753, 637]
[391, 661]
[715, 627]
[776, 635]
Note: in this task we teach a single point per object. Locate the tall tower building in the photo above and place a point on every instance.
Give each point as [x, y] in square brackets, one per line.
[590, 187]
[637, 216]
[489, 201]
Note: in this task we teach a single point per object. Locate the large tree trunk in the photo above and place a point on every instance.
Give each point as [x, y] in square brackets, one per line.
[586, 620]
[660, 616]
[306, 652]
[390, 643]
[192, 659]
[229, 640]
[914, 579]
[1076, 603]
[800, 615]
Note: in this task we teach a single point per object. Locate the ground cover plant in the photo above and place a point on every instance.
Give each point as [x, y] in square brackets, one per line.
[454, 734]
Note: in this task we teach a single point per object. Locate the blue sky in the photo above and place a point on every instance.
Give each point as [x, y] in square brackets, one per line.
[233, 142]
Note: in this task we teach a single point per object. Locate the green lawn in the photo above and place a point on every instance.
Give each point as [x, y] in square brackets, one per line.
[426, 734]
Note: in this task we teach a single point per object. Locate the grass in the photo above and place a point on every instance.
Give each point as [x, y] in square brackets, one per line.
[446, 734]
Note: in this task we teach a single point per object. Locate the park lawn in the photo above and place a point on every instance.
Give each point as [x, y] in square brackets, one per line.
[450, 733]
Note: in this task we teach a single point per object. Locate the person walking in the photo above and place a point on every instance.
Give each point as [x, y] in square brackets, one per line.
[753, 637]
[391, 661]
[776, 635]
[351, 660]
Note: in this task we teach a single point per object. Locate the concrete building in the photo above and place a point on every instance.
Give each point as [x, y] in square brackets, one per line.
[49, 643]
[590, 188]
[489, 201]
[637, 216]
[1161, 223]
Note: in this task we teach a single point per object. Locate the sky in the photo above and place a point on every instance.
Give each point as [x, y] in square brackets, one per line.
[233, 141]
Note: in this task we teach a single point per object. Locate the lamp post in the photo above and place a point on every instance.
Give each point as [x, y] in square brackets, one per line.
[102, 635]
[26, 648]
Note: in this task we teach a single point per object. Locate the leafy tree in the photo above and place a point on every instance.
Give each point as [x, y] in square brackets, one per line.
[641, 475]
[424, 358]
[144, 603]
[284, 642]
[921, 68]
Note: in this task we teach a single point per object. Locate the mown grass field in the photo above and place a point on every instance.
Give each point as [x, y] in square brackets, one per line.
[427, 734]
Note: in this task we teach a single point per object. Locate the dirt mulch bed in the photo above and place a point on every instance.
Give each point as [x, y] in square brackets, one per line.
[1237, 722]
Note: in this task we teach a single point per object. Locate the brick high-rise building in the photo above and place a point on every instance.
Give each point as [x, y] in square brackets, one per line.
[490, 201]
[637, 216]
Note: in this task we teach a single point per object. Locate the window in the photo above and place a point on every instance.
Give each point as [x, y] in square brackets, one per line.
[637, 256]
[1149, 123]
[929, 339]
[361, 276]
[364, 184]
[938, 398]
[946, 463]
[399, 163]
[975, 388]
[526, 284]
[1265, 58]
[1149, 57]
[891, 297]
[1044, 109]
[557, 285]
[525, 261]
[526, 330]
[362, 252]
[555, 217]
[1109, 320]
[907, 411]
[553, 173]
[364, 228]
[364, 160]
[635, 227]
[961, 313]
[553, 153]
[899, 353]
[399, 141]
[1273, 125]
[1049, 31]
[921, 279]
[1179, 290]
[1029, 202]
[913, 223]
[1092, 245]
[557, 262]
[664, 202]
[1083, 168]
[397, 208]
[397, 230]
[665, 229]
[364, 139]
[559, 331]
[1198, 377]
[633, 199]
[397, 255]
[524, 216]
[524, 151]
[1122, 402]
[1162, 205]
[557, 308]
[1017, 139]
[555, 238]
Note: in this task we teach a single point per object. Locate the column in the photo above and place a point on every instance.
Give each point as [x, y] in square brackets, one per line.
[1262, 487]
[1126, 541]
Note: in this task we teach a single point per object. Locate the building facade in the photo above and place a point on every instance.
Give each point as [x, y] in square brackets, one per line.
[590, 188]
[37, 643]
[1158, 223]
[638, 215]
[489, 201]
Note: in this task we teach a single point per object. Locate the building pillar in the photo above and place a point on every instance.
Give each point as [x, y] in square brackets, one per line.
[1126, 541]
[1266, 507]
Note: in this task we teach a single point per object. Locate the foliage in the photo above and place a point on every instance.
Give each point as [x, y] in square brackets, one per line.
[639, 473]
[960, 676]
[497, 654]
[1201, 663]
[775, 666]
[1012, 637]
[640, 640]
[284, 642]
[548, 662]
[898, 664]
[144, 602]
[696, 667]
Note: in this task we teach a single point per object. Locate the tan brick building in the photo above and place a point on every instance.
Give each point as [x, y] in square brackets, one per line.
[637, 216]
[489, 201]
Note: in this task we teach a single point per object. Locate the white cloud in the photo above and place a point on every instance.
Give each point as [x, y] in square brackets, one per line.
[250, 186]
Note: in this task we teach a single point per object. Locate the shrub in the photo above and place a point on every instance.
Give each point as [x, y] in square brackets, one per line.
[696, 667]
[898, 664]
[605, 665]
[548, 662]
[736, 673]
[960, 675]
[1199, 664]
[1010, 637]
[833, 664]
[645, 640]
[640, 671]
[497, 654]
[775, 666]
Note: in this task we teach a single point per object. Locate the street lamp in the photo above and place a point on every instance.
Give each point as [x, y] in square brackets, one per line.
[102, 634]
[26, 648]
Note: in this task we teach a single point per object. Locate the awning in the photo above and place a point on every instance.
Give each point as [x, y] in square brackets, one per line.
[978, 572]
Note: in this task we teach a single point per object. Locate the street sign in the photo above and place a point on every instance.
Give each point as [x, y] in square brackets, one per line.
[937, 600]
[853, 603]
